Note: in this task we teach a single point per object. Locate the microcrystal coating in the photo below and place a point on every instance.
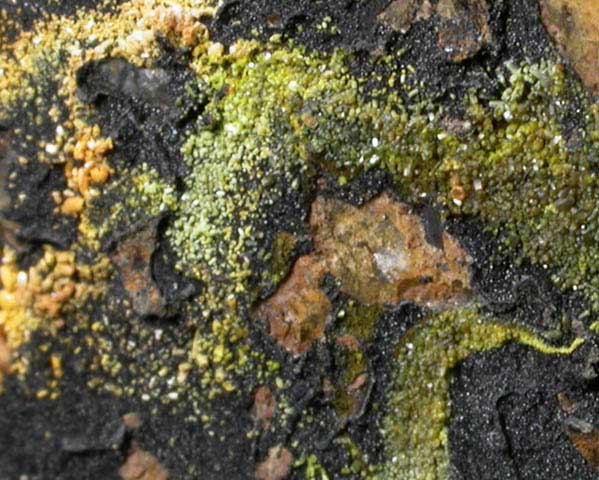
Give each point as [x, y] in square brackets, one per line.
[320, 241]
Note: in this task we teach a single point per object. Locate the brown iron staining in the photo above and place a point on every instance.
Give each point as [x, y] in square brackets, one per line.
[379, 254]
[133, 259]
[400, 14]
[463, 26]
[583, 435]
[277, 466]
[574, 26]
[586, 440]
[588, 446]
[298, 312]
[264, 407]
[141, 465]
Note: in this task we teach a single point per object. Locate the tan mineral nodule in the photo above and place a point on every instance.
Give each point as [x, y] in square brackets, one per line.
[276, 466]
[133, 260]
[264, 407]
[574, 26]
[463, 25]
[464, 28]
[587, 445]
[141, 465]
[297, 313]
[399, 15]
[380, 256]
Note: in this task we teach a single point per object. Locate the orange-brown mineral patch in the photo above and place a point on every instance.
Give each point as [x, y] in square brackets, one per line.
[582, 435]
[86, 167]
[574, 25]
[42, 294]
[464, 28]
[133, 260]
[587, 445]
[277, 466]
[264, 407]
[379, 254]
[141, 465]
[297, 313]
[180, 26]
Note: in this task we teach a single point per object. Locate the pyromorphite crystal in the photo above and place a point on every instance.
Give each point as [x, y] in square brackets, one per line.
[416, 425]
[141, 197]
[379, 254]
[506, 160]
[276, 116]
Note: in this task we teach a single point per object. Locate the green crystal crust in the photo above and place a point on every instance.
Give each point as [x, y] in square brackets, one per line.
[277, 113]
[419, 407]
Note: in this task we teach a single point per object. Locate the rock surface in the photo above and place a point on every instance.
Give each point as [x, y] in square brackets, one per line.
[379, 254]
[463, 25]
[574, 26]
